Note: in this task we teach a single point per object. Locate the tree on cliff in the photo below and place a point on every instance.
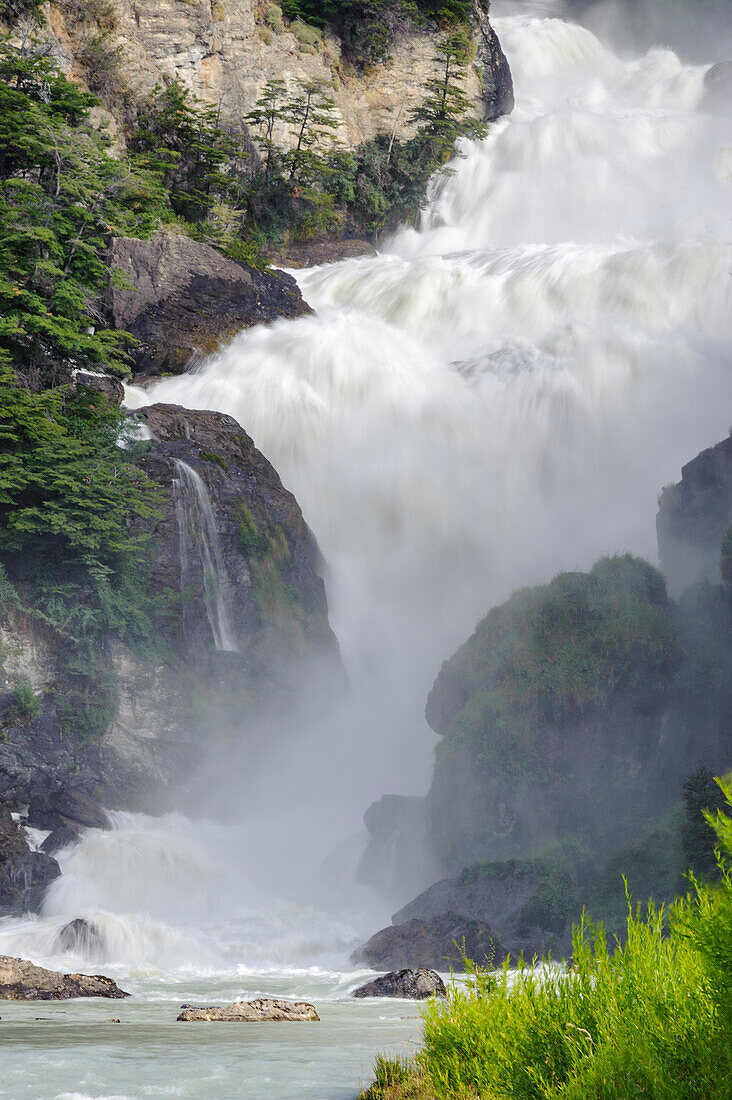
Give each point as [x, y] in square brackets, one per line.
[445, 112]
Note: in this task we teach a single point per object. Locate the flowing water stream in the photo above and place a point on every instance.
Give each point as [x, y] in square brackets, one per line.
[500, 394]
[200, 550]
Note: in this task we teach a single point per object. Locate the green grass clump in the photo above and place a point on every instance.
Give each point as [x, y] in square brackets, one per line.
[211, 456]
[651, 1018]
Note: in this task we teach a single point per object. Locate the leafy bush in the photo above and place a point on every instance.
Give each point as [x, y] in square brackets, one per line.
[24, 706]
[650, 869]
[651, 1018]
[305, 34]
[273, 18]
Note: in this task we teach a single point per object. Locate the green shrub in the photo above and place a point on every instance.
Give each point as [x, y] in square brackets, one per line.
[211, 456]
[651, 1018]
[650, 869]
[306, 35]
[273, 18]
[702, 796]
[24, 706]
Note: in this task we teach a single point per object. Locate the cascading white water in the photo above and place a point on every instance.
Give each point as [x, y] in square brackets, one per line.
[199, 541]
[500, 394]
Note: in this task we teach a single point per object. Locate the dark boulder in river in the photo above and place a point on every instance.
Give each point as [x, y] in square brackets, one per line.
[80, 937]
[21, 980]
[408, 984]
[180, 299]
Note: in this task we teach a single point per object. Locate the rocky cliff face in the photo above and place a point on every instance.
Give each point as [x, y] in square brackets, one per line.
[693, 517]
[569, 722]
[225, 51]
[247, 623]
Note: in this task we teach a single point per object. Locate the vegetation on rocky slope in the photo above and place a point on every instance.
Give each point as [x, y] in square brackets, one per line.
[652, 1017]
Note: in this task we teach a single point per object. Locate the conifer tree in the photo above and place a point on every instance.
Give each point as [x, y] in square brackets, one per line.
[445, 112]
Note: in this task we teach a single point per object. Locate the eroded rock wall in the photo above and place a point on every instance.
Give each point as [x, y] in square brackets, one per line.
[224, 51]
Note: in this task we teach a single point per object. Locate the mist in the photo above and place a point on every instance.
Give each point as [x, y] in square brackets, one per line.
[499, 395]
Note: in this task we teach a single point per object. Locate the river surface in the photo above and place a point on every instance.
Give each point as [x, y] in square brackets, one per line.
[498, 395]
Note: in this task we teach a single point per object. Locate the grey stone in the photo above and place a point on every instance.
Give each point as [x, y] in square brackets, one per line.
[260, 1010]
[408, 984]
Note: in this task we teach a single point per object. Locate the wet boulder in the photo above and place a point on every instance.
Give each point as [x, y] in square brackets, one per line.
[60, 837]
[408, 984]
[21, 980]
[180, 299]
[24, 875]
[80, 937]
[244, 1012]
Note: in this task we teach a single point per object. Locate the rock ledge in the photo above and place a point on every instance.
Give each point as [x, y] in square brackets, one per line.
[21, 980]
[244, 1012]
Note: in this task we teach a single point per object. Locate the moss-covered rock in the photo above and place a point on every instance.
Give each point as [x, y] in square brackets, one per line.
[572, 714]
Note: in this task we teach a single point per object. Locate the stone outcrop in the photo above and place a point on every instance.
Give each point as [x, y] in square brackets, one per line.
[167, 711]
[498, 97]
[441, 942]
[261, 1010]
[693, 516]
[407, 984]
[485, 914]
[571, 719]
[180, 299]
[23, 981]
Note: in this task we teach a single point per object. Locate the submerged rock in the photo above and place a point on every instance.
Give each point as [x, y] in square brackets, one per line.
[181, 299]
[260, 1010]
[21, 980]
[409, 984]
[80, 937]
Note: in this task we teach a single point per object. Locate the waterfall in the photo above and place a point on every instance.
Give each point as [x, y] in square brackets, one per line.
[199, 543]
[502, 392]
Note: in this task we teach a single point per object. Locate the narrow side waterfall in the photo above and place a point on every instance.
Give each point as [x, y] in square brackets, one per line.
[199, 546]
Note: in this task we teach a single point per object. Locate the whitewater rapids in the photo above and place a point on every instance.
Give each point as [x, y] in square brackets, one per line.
[499, 394]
